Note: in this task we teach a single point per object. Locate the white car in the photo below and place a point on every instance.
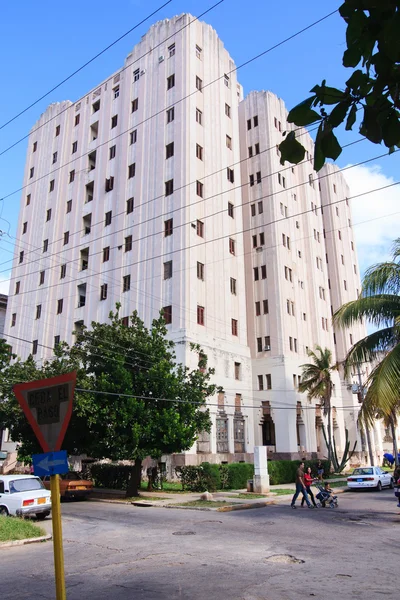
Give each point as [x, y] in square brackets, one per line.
[369, 477]
[22, 495]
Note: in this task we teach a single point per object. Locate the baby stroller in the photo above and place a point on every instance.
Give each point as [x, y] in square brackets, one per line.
[323, 497]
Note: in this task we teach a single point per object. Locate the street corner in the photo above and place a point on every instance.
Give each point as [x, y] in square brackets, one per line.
[37, 540]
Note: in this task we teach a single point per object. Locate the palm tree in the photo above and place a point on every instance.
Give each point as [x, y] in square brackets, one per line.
[379, 303]
[316, 381]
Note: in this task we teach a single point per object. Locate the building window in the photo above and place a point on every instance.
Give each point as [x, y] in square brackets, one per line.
[255, 121]
[259, 345]
[233, 286]
[227, 110]
[237, 370]
[200, 228]
[113, 151]
[288, 274]
[258, 308]
[169, 187]
[116, 92]
[52, 184]
[129, 206]
[248, 124]
[234, 326]
[114, 121]
[198, 52]
[128, 243]
[262, 238]
[133, 137]
[232, 246]
[28, 199]
[38, 311]
[109, 185]
[169, 150]
[168, 227]
[77, 119]
[260, 382]
[48, 214]
[269, 381]
[256, 274]
[25, 227]
[96, 106]
[199, 84]
[199, 152]
[340, 235]
[168, 269]
[170, 81]
[253, 210]
[263, 271]
[136, 75]
[258, 175]
[257, 148]
[58, 129]
[41, 277]
[131, 170]
[31, 172]
[34, 346]
[126, 283]
[200, 315]
[71, 176]
[63, 271]
[345, 284]
[135, 104]
[170, 115]
[231, 209]
[250, 151]
[228, 142]
[106, 254]
[66, 238]
[167, 314]
[267, 343]
[108, 217]
[34, 147]
[69, 206]
[13, 319]
[199, 189]
[45, 245]
[199, 116]
[171, 50]
[55, 154]
[60, 306]
[103, 291]
[74, 147]
[251, 180]
[265, 307]
[200, 271]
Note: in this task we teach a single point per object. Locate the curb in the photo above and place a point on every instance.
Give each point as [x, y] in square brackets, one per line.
[43, 538]
[245, 506]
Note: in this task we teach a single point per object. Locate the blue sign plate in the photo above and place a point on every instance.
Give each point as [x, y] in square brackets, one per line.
[51, 463]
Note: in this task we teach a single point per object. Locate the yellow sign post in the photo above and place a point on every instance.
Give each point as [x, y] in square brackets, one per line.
[57, 537]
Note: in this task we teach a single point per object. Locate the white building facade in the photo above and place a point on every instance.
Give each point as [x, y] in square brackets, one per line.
[162, 188]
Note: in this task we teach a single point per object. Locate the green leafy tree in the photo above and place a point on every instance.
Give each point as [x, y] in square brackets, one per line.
[316, 382]
[132, 400]
[372, 90]
[378, 303]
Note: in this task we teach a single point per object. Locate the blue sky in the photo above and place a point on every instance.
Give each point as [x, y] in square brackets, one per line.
[44, 42]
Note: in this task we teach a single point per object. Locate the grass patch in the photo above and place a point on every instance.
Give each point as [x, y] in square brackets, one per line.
[14, 528]
[341, 483]
[208, 503]
[169, 487]
[146, 498]
[248, 496]
[283, 492]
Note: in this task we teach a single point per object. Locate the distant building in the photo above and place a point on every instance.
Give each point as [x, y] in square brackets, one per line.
[162, 188]
[7, 447]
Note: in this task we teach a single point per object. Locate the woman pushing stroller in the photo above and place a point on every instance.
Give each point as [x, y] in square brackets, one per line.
[308, 481]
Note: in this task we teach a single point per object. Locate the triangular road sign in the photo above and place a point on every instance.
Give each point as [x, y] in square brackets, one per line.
[47, 404]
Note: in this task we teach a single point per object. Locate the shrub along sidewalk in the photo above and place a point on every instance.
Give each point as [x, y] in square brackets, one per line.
[14, 528]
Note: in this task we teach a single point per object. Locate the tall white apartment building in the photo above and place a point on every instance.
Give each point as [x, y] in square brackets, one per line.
[162, 188]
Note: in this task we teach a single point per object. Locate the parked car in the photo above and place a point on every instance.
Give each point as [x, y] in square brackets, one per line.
[22, 495]
[72, 485]
[370, 477]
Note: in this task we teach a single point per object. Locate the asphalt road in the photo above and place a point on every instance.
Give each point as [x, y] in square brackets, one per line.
[123, 552]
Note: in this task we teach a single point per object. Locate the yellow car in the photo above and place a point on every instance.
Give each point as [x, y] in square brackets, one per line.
[72, 485]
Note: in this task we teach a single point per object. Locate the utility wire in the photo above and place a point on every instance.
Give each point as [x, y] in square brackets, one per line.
[261, 54]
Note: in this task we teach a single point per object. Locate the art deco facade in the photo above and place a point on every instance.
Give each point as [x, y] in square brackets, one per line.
[162, 188]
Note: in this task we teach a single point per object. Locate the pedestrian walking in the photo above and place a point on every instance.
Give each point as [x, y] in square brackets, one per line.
[308, 481]
[320, 470]
[300, 487]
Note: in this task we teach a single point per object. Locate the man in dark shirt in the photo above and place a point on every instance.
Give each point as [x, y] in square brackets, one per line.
[300, 487]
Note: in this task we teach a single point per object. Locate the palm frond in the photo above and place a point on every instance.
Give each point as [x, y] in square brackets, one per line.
[384, 384]
[383, 278]
[371, 348]
[381, 310]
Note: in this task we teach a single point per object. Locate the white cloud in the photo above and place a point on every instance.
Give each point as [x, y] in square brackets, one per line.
[4, 283]
[378, 214]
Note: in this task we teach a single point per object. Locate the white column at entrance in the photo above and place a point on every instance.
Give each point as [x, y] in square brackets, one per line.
[261, 477]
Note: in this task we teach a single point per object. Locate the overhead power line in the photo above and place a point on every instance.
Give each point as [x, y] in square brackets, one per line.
[247, 62]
